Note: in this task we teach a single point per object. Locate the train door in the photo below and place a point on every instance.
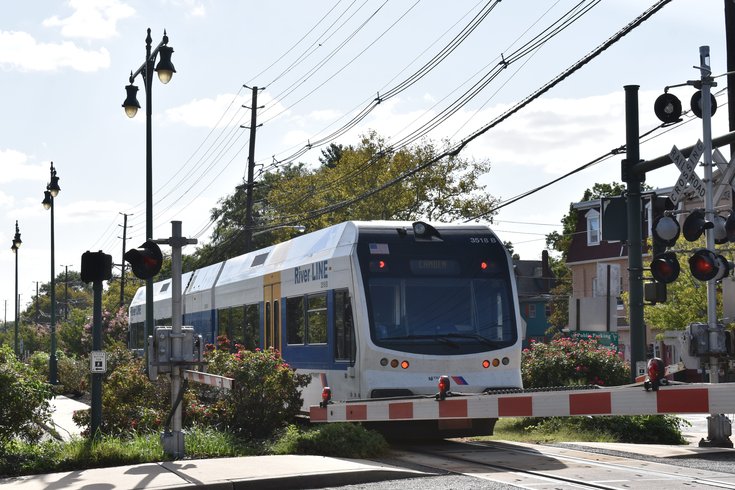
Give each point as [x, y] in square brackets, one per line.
[272, 317]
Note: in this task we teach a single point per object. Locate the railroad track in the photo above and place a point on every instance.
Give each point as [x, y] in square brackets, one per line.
[549, 467]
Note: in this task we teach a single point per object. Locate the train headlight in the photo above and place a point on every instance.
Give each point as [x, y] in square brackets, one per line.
[404, 364]
[384, 362]
[486, 364]
[394, 363]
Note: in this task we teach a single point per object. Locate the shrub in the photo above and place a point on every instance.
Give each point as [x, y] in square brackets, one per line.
[265, 396]
[130, 402]
[38, 361]
[335, 439]
[24, 399]
[73, 374]
[565, 362]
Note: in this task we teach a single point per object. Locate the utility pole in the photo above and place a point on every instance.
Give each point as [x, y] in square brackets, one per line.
[251, 171]
[37, 308]
[66, 292]
[122, 262]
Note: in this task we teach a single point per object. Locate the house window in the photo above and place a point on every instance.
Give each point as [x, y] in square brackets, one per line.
[593, 227]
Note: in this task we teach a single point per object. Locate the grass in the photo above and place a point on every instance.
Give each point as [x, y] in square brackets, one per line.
[341, 440]
[639, 429]
[519, 430]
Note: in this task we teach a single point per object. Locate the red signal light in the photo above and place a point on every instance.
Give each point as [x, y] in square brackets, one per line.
[381, 264]
[483, 265]
[665, 267]
[706, 265]
[655, 370]
[326, 396]
[444, 386]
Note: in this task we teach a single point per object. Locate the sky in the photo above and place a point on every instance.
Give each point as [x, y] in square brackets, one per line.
[64, 66]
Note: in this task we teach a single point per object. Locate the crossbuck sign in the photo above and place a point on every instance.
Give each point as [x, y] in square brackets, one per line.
[688, 175]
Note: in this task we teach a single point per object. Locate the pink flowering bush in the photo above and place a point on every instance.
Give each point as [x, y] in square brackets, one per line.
[265, 397]
[565, 362]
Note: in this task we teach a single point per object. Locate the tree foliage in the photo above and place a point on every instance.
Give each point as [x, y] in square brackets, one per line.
[448, 190]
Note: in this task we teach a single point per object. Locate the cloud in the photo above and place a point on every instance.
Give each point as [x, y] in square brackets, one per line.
[16, 168]
[19, 50]
[224, 110]
[91, 19]
[209, 113]
[89, 211]
[193, 8]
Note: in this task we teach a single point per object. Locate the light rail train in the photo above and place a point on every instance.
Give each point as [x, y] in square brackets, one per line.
[371, 309]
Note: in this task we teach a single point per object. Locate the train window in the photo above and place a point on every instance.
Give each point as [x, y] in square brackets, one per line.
[295, 320]
[136, 335]
[252, 327]
[344, 335]
[317, 318]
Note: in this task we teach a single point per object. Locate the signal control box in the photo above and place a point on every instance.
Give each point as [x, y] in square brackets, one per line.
[704, 341]
[160, 350]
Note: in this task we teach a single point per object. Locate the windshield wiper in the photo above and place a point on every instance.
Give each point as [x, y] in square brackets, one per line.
[439, 338]
[476, 336]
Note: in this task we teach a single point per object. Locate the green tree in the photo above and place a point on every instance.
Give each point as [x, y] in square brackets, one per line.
[445, 191]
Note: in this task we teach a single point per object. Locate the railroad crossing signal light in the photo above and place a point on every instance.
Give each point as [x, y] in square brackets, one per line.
[444, 387]
[665, 267]
[666, 230]
[719, 229]
[706, 265]
[667, 108]
[695, 224]
[655, 371]
[146, 260]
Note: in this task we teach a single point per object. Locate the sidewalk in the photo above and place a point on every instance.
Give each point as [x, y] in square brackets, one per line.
[256, 472]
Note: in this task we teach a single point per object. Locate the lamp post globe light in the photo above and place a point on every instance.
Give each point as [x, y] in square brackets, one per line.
[15, 246]
[165, 70]
[52, 190]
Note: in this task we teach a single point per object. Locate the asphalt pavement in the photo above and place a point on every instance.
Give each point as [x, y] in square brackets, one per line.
[263, 472]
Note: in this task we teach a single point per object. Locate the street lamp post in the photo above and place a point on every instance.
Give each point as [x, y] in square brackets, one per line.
[165, 71]
[16, 245]
[52, 190]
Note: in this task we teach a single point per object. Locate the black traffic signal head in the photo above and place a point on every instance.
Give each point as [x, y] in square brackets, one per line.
[695, 224]
[96, 267]
[145, 260]
[706, 265]
[665, 267]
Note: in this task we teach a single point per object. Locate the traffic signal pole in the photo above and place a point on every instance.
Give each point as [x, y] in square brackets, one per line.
[635, 241]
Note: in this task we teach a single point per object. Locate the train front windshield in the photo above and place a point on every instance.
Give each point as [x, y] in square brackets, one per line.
[445, 296]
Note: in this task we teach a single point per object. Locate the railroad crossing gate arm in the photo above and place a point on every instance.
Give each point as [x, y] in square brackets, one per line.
[624, 400]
